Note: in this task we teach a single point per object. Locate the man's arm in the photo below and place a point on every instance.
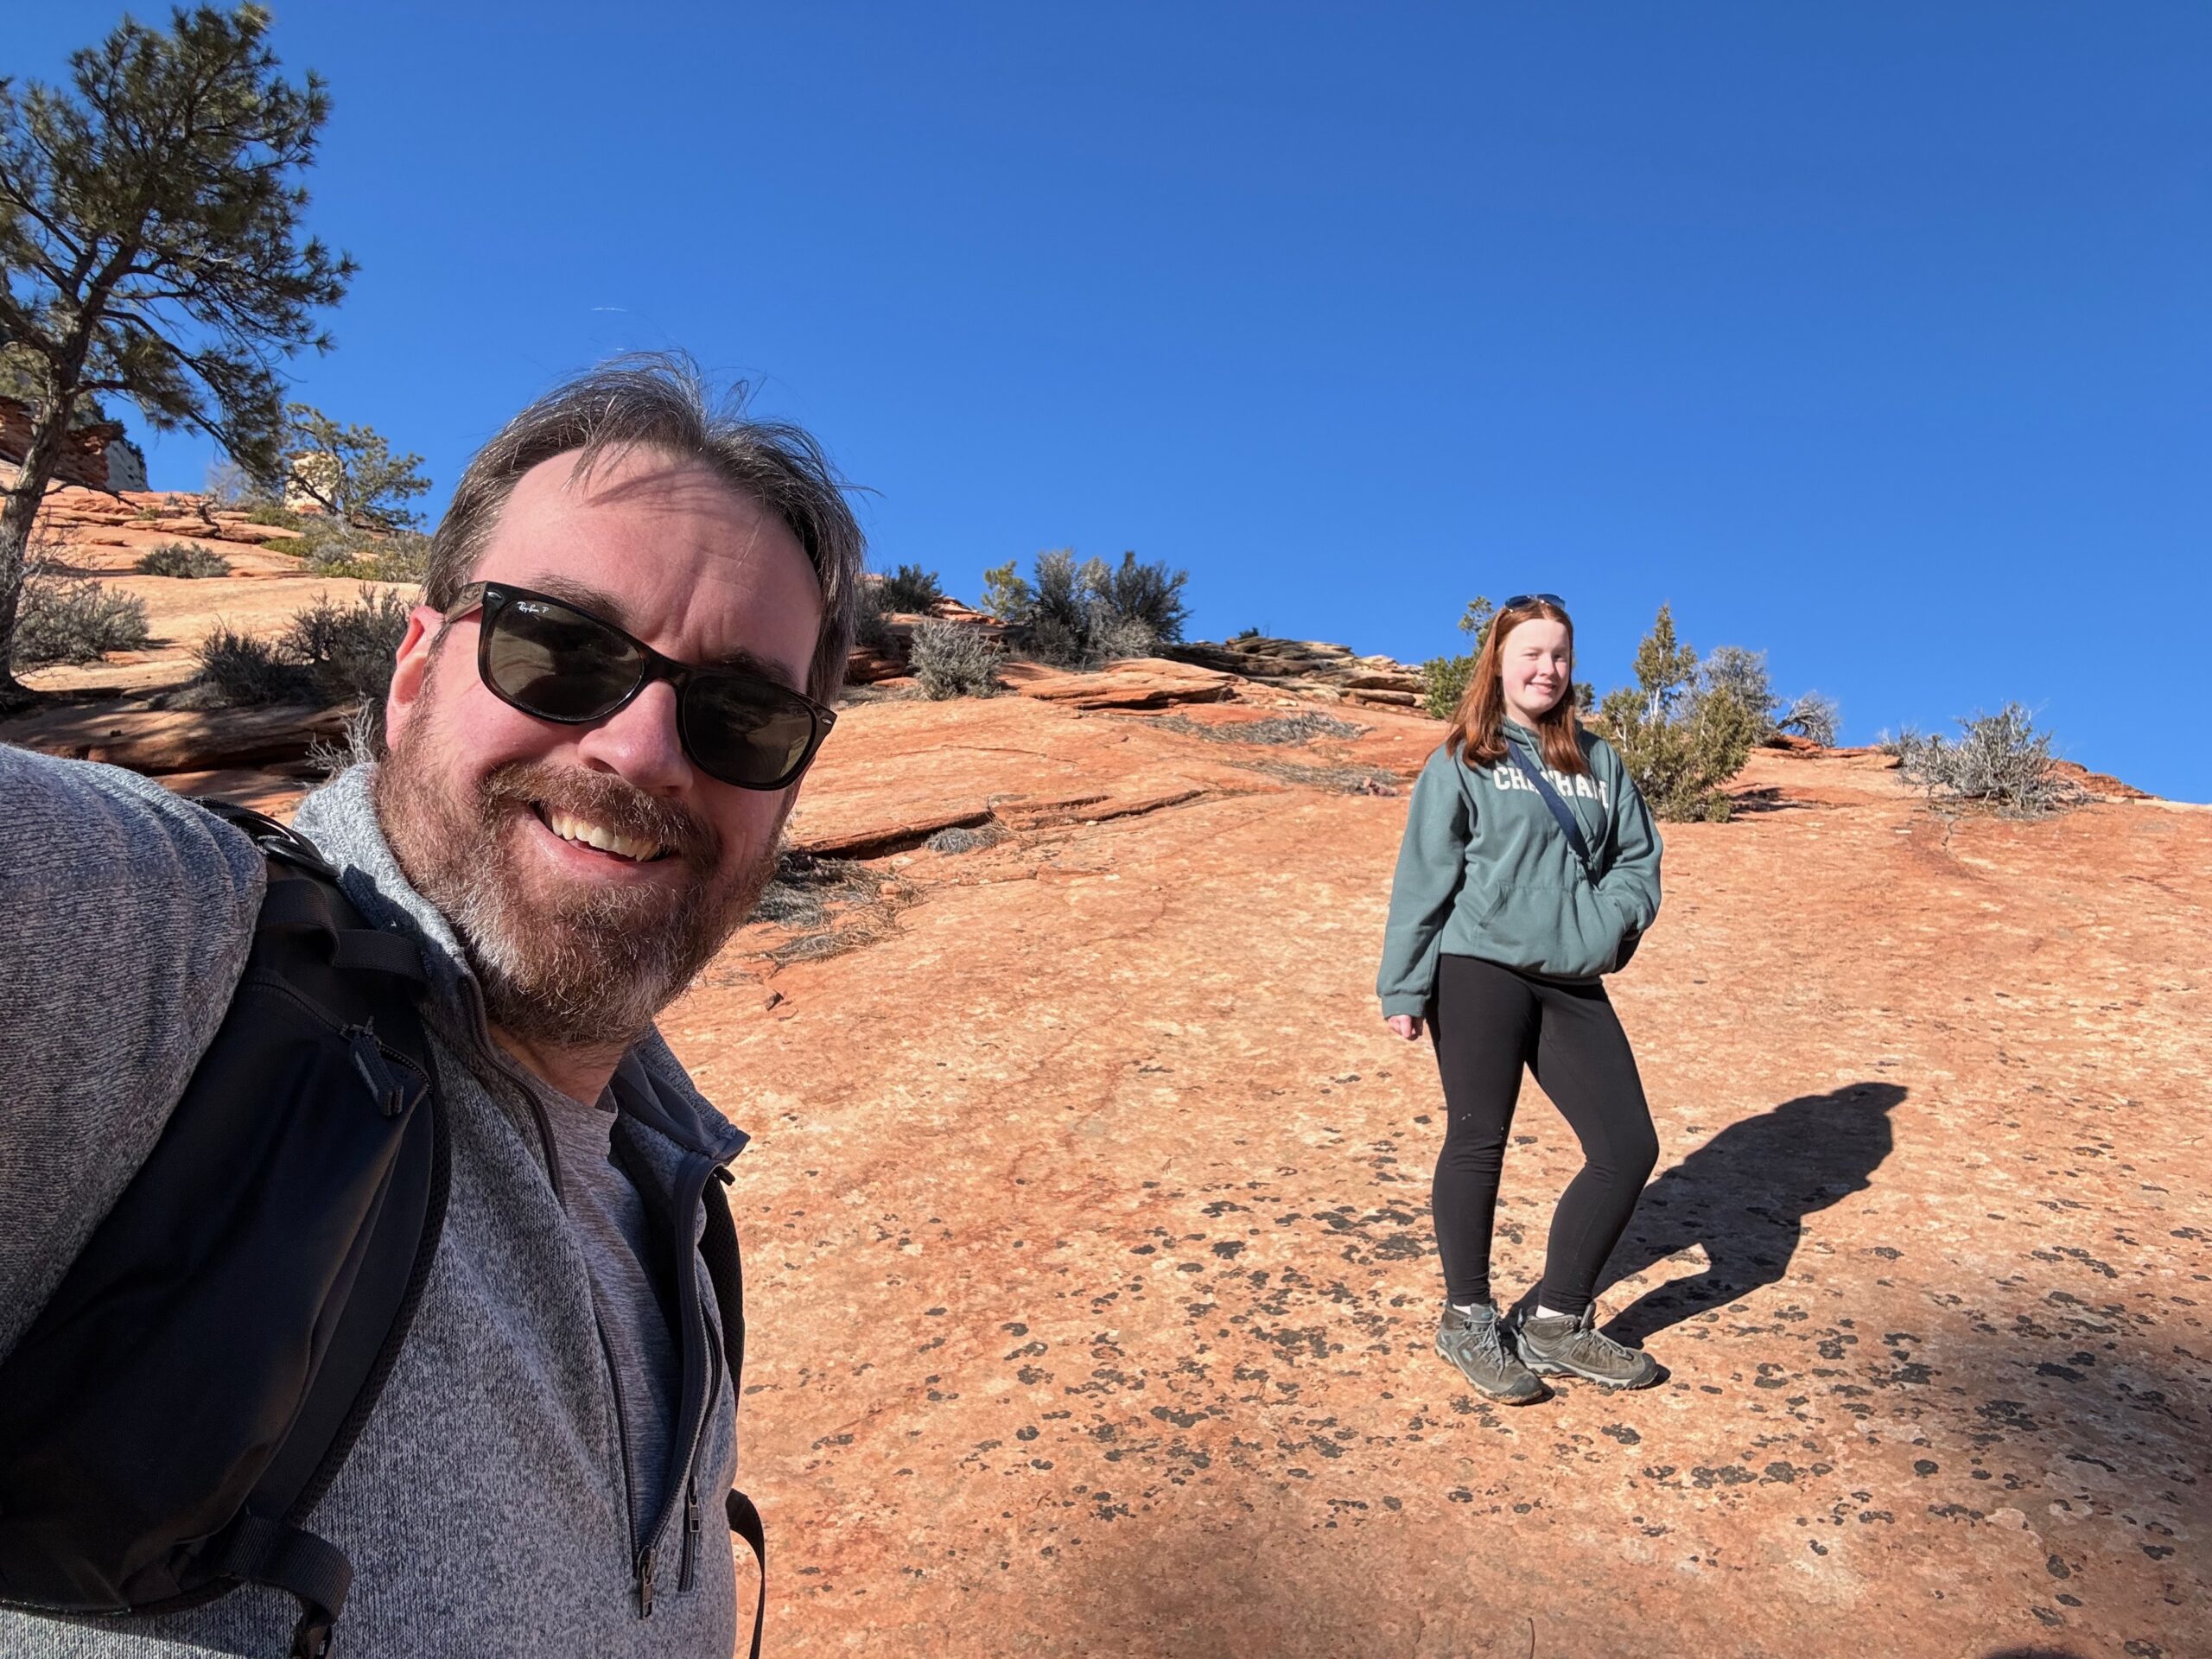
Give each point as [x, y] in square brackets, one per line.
[125, 917]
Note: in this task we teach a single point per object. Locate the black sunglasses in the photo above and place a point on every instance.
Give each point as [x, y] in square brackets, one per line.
[1522, 602]
[546, 658]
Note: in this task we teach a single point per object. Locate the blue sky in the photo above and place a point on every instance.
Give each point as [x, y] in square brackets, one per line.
[1873, 335]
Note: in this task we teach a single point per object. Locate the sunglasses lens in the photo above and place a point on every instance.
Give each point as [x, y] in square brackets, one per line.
[557, 663]
[746, 732]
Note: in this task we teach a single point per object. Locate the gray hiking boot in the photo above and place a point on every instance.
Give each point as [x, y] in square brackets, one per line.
[1559, 1345]
[1475, 1342]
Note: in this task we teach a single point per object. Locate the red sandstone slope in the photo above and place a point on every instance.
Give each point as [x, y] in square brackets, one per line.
[1093, 1281]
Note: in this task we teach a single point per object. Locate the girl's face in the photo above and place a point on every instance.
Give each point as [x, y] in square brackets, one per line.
[1539, 667]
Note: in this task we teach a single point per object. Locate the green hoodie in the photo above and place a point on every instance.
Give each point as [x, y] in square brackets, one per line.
[1486, 871]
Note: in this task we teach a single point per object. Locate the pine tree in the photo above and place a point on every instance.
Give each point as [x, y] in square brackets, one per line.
[351, 472]
[1681, 740]
[150, 247]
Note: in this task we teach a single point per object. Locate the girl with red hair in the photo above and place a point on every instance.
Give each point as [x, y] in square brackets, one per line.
[1529, 869]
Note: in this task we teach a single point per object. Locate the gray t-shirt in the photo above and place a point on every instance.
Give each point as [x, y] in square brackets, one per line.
[609, 1224]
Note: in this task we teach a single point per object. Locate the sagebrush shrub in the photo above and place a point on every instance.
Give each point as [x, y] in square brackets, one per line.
[954, 659]
[187, 559]
[1743, 673]
[327, 653]
[909, 590]
[1680, 737]
[348, 649]
[1123, 638]
[1999, 761]
[1080, 615]
[331, 549]
[243, 668]
[1150, 595]
[67, 620]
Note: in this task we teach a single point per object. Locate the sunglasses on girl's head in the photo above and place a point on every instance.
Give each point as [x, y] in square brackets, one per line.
[1522, 602]
[548, 658]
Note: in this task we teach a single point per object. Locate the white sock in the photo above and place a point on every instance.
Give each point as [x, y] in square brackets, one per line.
[1543, 1313]
[1468, 1307]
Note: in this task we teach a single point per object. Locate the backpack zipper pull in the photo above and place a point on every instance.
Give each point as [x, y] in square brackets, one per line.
[646, 1584]
[689, 1568]
[368, 1060]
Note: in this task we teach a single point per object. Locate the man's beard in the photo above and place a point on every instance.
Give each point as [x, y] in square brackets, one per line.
[589, 969]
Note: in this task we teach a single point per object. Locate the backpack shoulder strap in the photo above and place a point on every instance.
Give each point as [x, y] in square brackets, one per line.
[291, 902]
[718, 1249]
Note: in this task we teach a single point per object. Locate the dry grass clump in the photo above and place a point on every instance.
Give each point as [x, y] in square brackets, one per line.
[65, 620]
[950, 659]
[804, 888]
[962, 839]
[831, 905]
[1338, 780]
[186, 559]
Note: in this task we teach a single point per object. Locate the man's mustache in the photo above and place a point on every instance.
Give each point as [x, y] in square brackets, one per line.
[608, 801]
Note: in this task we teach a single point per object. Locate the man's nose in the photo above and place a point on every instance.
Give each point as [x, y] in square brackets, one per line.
[639, 742]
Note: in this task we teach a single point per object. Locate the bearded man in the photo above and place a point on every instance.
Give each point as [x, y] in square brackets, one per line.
[636, 614]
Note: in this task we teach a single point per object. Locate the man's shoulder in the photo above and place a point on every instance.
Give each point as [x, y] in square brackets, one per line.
[126, 915]
[94, 829]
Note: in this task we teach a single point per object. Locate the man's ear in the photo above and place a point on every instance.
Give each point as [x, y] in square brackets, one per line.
[411, 671]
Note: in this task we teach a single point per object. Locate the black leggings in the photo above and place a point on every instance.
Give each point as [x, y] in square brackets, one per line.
[1488, 1021]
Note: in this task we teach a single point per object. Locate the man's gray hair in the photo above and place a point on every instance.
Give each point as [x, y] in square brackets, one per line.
[658, 402]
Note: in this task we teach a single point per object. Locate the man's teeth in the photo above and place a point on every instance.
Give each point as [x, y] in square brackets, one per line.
[571, 827]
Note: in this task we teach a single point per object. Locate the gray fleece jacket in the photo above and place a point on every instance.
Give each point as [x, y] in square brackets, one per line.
[490, 1506]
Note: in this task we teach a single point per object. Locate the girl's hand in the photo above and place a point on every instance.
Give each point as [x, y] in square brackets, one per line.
[1408, 1025]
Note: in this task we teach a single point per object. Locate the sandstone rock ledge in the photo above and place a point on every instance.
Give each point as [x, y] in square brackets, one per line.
[1311, 668]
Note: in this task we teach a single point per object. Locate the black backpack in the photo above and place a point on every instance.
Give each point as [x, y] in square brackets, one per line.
[171, 1419]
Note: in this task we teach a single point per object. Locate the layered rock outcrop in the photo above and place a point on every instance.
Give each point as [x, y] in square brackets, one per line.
[1311, 668]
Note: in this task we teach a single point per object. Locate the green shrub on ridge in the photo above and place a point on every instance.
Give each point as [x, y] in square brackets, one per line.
[186, 559]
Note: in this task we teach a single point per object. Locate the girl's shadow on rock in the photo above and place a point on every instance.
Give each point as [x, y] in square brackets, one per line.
[1743, 1195]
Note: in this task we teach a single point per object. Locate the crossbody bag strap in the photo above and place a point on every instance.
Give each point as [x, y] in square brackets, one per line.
[1561, 809]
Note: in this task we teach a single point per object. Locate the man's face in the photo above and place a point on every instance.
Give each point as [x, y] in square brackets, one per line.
[492, 812]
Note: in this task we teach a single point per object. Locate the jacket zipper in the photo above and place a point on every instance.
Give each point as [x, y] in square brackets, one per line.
[692, 1523]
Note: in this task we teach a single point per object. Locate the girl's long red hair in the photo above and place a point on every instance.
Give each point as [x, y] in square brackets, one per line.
[1478, 733]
